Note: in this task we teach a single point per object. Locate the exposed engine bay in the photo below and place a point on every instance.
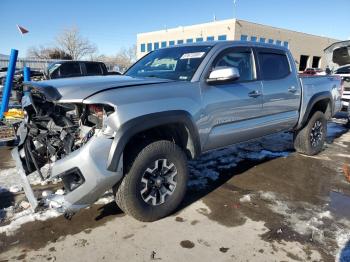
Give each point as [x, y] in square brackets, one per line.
[65, 141]
[55, 130]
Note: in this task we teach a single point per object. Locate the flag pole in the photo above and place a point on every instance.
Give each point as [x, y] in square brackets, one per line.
[234, 9]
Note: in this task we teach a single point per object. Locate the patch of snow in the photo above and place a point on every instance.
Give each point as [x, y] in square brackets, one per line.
[15, 189]
[107, 198]
[311, 221]
[46, 193]
[59, 192]
[325, 214]
[27, 216]
[104, 200]
[246, 198]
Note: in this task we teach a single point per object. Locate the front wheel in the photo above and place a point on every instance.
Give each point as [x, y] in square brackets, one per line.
[311, 138]
[156, 182]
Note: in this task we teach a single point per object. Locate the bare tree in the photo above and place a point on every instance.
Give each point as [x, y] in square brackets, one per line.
[47, 53]
[125, 58]
[73, 43]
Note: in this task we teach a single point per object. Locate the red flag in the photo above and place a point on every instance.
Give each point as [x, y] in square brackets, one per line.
[22, 30]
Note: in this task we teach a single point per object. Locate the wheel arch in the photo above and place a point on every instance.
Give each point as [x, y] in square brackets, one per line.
[176, 124]
[319, 102]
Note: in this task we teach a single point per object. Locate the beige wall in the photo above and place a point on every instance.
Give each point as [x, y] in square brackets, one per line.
[299, 43]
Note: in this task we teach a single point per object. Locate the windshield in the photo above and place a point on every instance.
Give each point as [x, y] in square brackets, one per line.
[176, 63]
[52, 67]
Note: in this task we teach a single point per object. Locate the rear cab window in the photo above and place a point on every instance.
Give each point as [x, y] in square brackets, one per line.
[65, 70]
[93, 69]
[273, 64]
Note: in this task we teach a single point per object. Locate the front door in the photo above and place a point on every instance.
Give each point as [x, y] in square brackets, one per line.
[231, 107]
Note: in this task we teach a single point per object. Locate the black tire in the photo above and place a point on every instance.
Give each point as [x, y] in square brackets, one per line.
[303, 138]
[128, 192]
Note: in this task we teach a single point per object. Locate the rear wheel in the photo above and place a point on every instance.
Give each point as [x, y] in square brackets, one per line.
[156, 182]
[311, 138]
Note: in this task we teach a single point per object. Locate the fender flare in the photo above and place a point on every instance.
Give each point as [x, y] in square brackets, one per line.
[145, 122]
[313, 100]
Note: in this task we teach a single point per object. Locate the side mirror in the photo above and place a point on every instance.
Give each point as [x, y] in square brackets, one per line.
[223, 74]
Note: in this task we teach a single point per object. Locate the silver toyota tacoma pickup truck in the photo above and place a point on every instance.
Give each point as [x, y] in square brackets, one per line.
[134, 133]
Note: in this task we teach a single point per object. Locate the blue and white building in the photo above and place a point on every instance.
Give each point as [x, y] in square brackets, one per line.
[307, 49]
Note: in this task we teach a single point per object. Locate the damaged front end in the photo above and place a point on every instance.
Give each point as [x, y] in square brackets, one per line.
[68, 141]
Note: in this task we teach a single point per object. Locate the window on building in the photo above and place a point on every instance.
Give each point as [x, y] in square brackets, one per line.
[274, 66]
[303, 62]
[149, 47]
[180, 42]
[143, 48]
[244, 37]
[262, 40]
[253, 38]
[242, 60]
[189, 40]
[163, 44]
[171, 43]
[210, 38]
[222, 37]
[156, 45]
[286, 44]
[316, 62]
[278, 42]
[271, 41]
[199, 39]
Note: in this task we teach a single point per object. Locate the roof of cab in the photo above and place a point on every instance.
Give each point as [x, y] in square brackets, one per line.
[233, 43]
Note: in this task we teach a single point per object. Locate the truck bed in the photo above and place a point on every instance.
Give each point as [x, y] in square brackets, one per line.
[316, 84]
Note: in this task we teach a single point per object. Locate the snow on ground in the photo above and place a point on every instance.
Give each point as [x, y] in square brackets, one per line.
[27, 216]
[207, 168]
[312, 221]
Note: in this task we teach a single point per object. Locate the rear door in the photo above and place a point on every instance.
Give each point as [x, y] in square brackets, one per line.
[230, 108]
[281, 88]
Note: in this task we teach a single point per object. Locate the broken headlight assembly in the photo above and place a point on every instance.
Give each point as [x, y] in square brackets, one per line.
[101, 117]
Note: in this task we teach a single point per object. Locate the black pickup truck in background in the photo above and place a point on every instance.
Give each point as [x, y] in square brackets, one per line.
[63, 69]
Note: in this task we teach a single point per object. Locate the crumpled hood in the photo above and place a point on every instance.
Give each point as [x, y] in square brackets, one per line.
[79, 88]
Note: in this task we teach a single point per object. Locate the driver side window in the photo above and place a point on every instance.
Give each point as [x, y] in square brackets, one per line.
[242, 60]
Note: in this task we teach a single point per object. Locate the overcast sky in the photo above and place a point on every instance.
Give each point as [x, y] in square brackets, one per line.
[114, 24]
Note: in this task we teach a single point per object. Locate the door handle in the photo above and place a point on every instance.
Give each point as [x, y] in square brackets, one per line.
[292, 89]
[254, 93]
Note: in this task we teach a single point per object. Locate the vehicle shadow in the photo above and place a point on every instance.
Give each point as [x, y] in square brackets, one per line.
[7, 199]
[110, 209]
[345, 253]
